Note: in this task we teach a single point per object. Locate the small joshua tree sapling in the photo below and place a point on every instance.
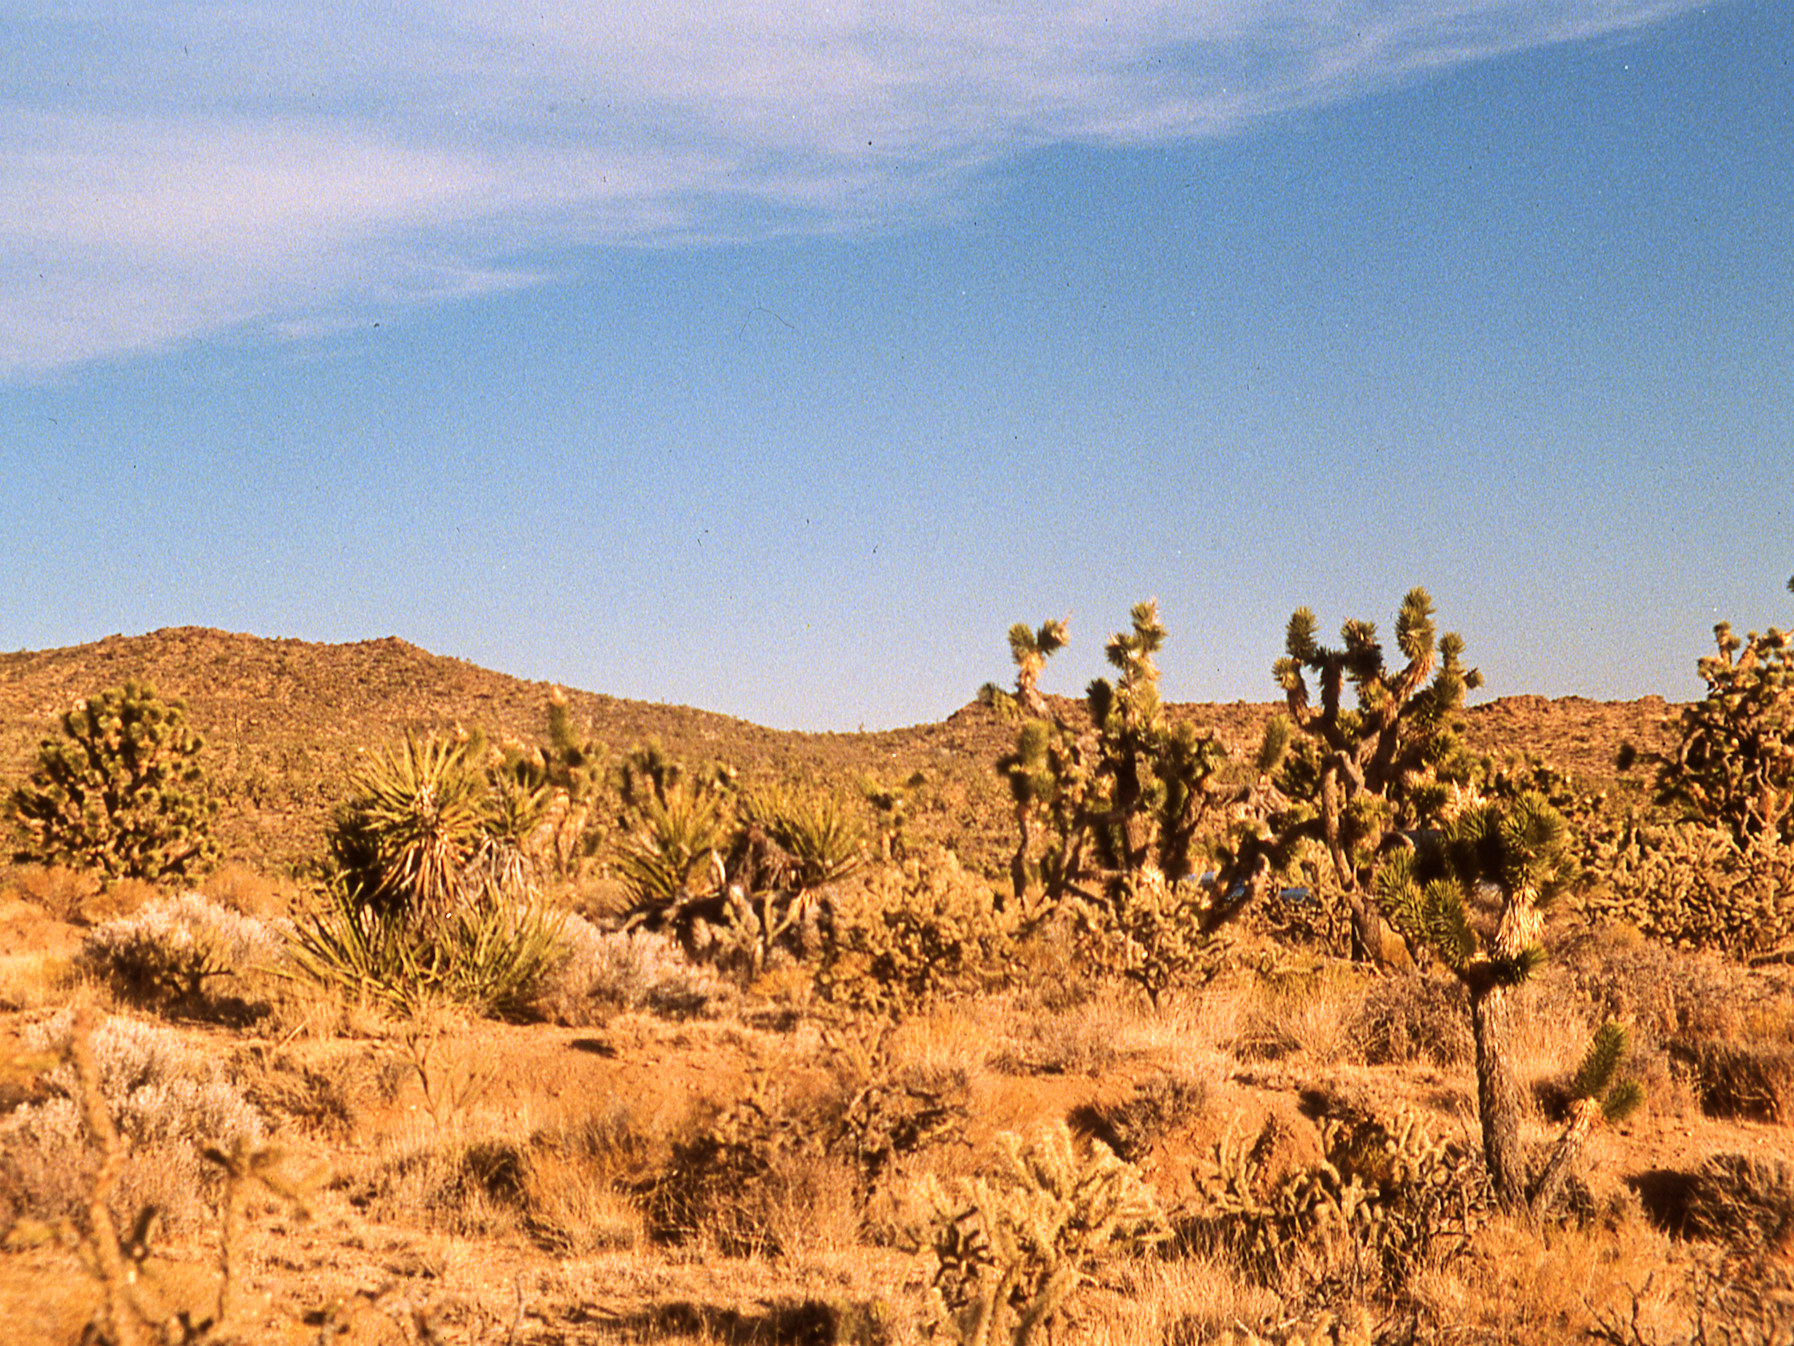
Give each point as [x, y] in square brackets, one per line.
[1518, 858]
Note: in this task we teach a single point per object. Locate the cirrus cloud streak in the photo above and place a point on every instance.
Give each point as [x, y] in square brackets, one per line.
[192, 169]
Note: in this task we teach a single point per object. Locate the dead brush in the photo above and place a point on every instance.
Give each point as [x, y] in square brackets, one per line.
[880, 1108]
[1413, 1018]
[1711, 1305]
[57, 890]
[451, 1082]
[1156, 1106]
[727, 1172]
[1741, 1080]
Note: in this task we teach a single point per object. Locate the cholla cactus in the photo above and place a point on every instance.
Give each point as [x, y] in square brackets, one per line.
[1692, 885]
[1394, 1191]
[119, 792]
[1011, 1247]
[1519, 853]
[915, 932]
[1734, 765]
[1155, 933]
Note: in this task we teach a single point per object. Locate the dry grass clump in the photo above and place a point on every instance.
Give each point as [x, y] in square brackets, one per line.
[248, 891]
[1308, 1011]
[1157, 1105]
[59, 892]
[1742, 1080]
[1508, 1284]
[579, 1179]
[1727, 1032]
[753, 1178]
[168, 1100]
[1667, 993]
[1403, 1019]
[1743, 1201]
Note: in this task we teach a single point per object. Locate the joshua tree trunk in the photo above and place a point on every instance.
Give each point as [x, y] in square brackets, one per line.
[1498, 1096]
[1492, 1015]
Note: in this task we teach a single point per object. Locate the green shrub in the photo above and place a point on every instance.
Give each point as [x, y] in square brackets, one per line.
[120, 791]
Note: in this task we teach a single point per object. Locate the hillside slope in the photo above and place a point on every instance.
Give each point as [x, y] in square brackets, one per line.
[285, 719]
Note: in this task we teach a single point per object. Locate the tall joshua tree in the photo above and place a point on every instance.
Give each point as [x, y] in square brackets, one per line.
[1366, 772]
[1102, 798]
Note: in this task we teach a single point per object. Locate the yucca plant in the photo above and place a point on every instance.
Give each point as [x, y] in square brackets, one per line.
[670, 845]
[489, 953]
[417, 816]
[430, 893]
[824, 839]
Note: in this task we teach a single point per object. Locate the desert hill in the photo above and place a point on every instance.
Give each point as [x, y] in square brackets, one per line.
[284, 721]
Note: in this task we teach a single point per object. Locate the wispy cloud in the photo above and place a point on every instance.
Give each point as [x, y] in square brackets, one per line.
[187, 169]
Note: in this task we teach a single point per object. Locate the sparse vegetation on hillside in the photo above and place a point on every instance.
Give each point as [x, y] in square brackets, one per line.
[809, 1132]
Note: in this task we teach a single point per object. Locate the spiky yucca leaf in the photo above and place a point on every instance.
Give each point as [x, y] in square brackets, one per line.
[1600, 1062]
[817, 830]
[673, 838]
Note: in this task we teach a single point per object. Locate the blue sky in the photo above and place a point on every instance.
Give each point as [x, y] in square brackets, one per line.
[774, 359]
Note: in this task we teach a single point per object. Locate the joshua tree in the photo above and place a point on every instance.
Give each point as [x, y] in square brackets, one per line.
[119, 791]
[1439, 891]
[418, 817]
[1100, 801]
[1364, 774]
[1733, 767]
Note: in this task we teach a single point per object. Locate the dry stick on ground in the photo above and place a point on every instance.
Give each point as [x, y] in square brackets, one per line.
[102, 1234]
